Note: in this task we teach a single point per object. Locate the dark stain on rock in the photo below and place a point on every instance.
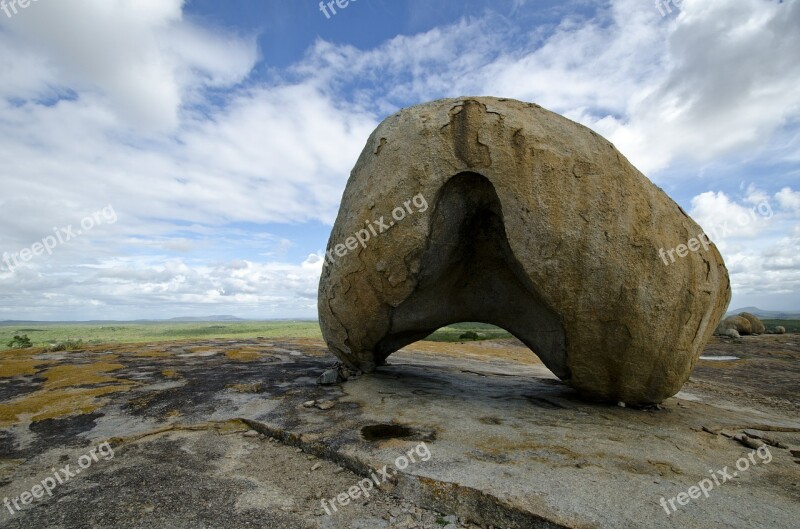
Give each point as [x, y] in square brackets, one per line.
[386, 431]
[382, 432]
[65, 430]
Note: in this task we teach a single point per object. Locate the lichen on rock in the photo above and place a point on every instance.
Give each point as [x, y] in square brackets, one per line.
[532, 223]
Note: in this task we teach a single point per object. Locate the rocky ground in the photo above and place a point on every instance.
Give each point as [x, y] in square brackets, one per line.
[765, 374]
[222, 433]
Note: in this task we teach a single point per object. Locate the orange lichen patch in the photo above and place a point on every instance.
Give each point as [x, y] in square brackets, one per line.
[243, 355]
[53, 404]
[24, 353]
[312, 346]
[152, 354]
[201, 349]
[143, 401]
[665, 468]
[255, 387]
[223, 427]
[544, 451]
[496, 349]
[169, 373]
[98, 347]
[81, 375]
[125, 349]
[13, 367]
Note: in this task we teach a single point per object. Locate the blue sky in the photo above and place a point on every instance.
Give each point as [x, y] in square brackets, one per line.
[221, 134]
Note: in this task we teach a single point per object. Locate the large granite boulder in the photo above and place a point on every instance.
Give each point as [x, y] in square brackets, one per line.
[756, 325]
[738, 323]
[498, 211]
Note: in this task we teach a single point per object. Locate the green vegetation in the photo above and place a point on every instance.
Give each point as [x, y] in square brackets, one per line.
[72, 335]
[459, 332]
[789, 325]
[68, 345]
[20, 342]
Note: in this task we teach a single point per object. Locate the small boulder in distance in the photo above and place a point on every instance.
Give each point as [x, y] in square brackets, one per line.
[731, 333]
[756, 325]
[740, 324]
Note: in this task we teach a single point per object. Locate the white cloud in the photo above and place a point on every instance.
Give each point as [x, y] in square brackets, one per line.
[761, 259]
[717, 78]
[788, 199]
[140, 58]
[106, 103]
[165, 289]
[771, 271]
[722, 218]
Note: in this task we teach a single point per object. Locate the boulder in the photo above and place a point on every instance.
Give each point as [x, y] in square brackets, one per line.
[498, 211]
[732, 333]
[780, 329]
[756, 326]
[740, 324]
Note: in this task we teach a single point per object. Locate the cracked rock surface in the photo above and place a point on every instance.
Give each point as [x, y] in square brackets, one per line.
[498, 211]
[237, 433]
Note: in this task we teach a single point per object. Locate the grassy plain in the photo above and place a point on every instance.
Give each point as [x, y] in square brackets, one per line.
[45, 334]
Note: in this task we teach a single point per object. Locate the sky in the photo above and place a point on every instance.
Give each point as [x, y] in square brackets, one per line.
[168, 158]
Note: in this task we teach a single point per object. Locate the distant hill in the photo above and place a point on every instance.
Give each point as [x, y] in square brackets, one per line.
[181, 319]
[768, 314]
[207, 318]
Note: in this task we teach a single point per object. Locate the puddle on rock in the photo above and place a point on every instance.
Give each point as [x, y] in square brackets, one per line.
[383, 432]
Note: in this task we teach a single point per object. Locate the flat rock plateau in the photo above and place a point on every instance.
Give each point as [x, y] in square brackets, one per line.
[219, 433]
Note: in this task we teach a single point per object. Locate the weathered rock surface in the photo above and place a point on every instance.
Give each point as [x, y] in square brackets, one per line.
[756, 325]
[738, 323]
[780, 329]
[732, 333]
[530, 222]
[512, 446]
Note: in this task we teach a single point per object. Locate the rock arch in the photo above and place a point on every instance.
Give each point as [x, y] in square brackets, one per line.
[530, 222]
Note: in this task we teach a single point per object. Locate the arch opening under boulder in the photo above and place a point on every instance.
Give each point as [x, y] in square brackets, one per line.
[468, 272]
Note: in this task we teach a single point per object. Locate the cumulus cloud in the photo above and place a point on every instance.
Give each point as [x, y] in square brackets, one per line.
[110, 103]
[760, 246]
[722, 218]
[788, 199]
[730, 72]
[772, 273]
[152, 288]
[142, 59]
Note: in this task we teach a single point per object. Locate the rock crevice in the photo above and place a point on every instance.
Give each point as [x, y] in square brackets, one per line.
[532, 223]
